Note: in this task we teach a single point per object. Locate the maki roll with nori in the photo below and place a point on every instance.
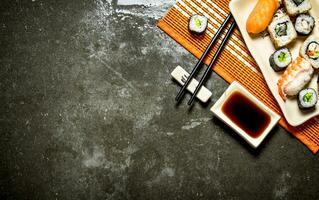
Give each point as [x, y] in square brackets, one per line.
[307, 99]
[295, 7]
[197, 24]
[282, 30]
[280, 59]
[304, 24]
[310, 51]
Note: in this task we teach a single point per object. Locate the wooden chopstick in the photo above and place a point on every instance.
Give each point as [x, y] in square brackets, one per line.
[200, 61]
[208, 69]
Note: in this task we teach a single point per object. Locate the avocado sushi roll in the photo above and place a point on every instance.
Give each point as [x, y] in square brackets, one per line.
[280, 59]
[304, 24]
[197, 24]
[307, 99]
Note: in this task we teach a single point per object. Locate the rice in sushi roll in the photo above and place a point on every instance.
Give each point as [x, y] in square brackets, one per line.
[304, 24]
[307, 99]
[280, 59]
[295, 7]
[310, 51]
[279, 14]
[282, 31]
[197, 24]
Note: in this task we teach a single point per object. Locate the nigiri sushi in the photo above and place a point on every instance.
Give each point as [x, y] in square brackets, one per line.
[261, 16]
[295, 78]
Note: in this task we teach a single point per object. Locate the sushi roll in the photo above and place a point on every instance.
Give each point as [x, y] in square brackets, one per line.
[310, 51]
[280, 59]
[295, 7]
[282, 31]
[304, 24]
[279, 14]
[307, 99]
[197, 24]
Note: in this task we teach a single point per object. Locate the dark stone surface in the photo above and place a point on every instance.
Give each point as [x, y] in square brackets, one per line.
[87, 112]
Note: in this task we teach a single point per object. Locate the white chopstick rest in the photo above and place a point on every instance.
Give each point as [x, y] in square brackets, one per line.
[180, 75]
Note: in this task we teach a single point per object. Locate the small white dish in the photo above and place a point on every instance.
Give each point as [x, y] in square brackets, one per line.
[217, 110]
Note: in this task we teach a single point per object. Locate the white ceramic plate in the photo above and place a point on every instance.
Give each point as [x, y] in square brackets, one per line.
[261, 48]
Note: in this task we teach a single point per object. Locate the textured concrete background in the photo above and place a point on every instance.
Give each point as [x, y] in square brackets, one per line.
[87, 112]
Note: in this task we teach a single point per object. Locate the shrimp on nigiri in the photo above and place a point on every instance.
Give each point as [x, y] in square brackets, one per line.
[261, 16]
[295, 78]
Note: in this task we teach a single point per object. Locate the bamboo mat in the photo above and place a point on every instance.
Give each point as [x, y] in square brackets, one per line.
[235, 63]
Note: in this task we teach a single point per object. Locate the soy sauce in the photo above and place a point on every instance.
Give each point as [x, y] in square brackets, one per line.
[246, 114]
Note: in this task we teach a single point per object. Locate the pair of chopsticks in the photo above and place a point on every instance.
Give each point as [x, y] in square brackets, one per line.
[200, 61]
